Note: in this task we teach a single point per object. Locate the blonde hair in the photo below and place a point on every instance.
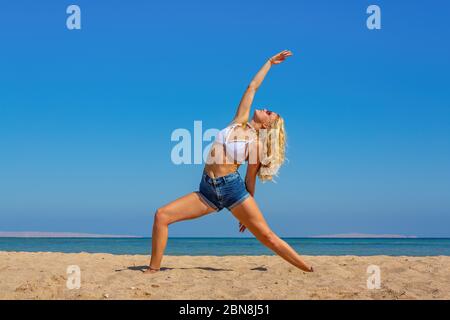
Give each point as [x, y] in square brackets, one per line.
[273, 150]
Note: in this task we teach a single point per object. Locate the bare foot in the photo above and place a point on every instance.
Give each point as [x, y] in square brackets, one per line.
[307, 269]
[151, 270]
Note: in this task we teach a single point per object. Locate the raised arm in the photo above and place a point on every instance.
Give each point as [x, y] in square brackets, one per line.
[243, 110]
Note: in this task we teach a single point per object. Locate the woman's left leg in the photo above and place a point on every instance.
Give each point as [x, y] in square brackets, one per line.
[250, 216]
[188, 207]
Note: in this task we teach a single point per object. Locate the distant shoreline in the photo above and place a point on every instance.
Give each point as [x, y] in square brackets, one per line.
[36, 234]
[233, 246]
[366, 236]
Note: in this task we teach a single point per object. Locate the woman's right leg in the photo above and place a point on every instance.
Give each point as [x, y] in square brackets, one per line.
[251, 217]
[190, 206]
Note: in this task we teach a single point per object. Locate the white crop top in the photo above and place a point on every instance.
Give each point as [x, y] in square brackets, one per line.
[237, 150]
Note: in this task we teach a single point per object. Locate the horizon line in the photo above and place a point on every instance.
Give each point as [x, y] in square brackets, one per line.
[37, 234]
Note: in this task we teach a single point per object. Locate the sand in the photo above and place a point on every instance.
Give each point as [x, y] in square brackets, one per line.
[104, 276]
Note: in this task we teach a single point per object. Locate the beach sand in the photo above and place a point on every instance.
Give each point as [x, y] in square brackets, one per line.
[105, 276]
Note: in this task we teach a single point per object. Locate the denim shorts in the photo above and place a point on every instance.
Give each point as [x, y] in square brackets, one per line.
[223, 192]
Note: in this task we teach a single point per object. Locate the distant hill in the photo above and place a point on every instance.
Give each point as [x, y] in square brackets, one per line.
[363, 235]
[36, 234]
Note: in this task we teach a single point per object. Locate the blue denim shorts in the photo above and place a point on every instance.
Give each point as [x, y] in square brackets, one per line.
[223, 192]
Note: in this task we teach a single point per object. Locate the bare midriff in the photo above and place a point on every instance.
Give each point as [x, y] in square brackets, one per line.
[221, 167]
[220, 170]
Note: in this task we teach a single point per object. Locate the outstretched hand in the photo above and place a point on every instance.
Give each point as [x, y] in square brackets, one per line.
[242, 227]
[280, 57]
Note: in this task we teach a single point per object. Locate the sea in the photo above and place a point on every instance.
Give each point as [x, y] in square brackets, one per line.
[235, 246]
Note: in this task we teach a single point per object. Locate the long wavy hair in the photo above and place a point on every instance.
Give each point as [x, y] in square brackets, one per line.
[273, 142]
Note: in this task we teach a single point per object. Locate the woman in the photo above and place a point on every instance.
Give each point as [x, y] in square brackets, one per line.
[260, 142]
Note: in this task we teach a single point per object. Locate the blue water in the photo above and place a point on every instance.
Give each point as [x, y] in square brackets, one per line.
[233, 246]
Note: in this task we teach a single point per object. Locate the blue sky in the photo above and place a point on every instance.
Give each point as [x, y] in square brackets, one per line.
[86, 115]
